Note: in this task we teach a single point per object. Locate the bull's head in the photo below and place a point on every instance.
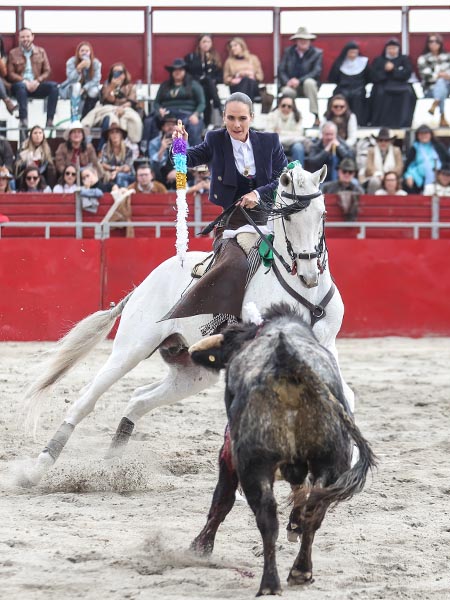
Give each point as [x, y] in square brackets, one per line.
[209, 352]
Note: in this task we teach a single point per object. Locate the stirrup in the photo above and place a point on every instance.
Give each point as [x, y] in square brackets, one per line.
[200, 268]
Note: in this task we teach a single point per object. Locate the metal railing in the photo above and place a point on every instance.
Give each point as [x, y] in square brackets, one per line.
[103, 231]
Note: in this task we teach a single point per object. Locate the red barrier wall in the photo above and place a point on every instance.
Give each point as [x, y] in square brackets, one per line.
[389, 287]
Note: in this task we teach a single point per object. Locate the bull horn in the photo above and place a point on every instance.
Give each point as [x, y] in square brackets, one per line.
[213, 341]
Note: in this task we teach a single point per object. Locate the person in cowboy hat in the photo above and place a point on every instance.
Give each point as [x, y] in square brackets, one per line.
[76, 150]
[300, 69]
[181, 97]
[381, 158]
[116, 157]
[441, 187]
[159, 153]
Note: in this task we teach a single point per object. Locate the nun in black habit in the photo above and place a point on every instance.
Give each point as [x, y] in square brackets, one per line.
[392, 100]
[350, 73]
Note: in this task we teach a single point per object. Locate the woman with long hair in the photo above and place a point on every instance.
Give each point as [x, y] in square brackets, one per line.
[242, 70]
[67, 183]
[118, 103]
[5, 180]
[338, 111]
[116, 157]
[37, 153]
[76, 150]
[434, 70]
[32, 181]
[82, 84]
[350, 73]
[286, 120]
[205, 66]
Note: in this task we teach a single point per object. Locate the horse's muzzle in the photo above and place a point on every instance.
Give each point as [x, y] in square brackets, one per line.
[309, 283]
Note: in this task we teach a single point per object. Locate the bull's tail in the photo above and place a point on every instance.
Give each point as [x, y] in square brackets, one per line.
[76, 344]
[352, 481]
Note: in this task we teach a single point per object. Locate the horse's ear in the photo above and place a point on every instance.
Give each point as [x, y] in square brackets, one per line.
[319, 176]
[285, 179]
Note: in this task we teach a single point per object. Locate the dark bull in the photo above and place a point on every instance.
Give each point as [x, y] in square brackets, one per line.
[286, 410]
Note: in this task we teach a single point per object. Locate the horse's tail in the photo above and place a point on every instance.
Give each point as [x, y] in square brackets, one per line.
[76, 344]
[349, 483]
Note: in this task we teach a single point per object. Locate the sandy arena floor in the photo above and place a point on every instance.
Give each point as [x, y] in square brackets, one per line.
[93, 530]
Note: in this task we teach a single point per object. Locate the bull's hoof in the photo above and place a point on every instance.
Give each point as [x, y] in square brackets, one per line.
[293, 532]
[201, 548]
[269, 591]
[297, 577]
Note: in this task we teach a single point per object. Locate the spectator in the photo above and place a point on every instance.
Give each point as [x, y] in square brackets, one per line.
[434, 71]
[350, 73]
[180, 97]
[37, 153]
[300, 69]
[338, 111]
[116, 158]
[202, 180]
[28, 71]
[6, 154]
[5, 180]
[391, 185]
[75, 150]
[286, 120]
[242, 71]
[33, 182]
[67, 183]
[145, 181]
[82, 84]
[92, 189]
[205, 66]
[392, 100]
[118, 103]
[382, 158]
[159, 153]
[4, 85]
[347, 189]
[424, 158]
[441, 187]
[329, 149]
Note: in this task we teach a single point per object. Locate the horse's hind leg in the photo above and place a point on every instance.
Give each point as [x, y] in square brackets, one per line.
[183, 379]
[117, 365]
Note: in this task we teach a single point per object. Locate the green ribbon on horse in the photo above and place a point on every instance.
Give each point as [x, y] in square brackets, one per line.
[266, 252]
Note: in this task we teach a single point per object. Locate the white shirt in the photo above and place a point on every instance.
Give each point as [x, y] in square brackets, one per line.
[245, 164]
[243, 157]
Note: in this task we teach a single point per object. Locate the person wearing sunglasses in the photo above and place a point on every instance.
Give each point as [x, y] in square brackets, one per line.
[338, 111]
[36, 152]
[350, 73]
[346, 181]
[286, 120]
[434, 71]
[33, 182]
[68, 181]
[118, 102]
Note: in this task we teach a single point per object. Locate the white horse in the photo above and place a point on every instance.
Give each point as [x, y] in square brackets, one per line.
[299, 246]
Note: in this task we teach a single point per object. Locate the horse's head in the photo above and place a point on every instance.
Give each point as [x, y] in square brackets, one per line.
[301, 207]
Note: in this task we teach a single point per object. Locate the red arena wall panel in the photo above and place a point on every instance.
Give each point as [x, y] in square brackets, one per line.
[46, 286]
[389, 287]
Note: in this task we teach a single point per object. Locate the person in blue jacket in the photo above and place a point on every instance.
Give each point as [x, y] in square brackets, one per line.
[245, 166]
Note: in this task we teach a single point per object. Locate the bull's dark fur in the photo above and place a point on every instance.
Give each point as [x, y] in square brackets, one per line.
[286, 410]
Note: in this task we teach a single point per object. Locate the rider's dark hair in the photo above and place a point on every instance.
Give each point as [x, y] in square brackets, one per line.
[239, 97]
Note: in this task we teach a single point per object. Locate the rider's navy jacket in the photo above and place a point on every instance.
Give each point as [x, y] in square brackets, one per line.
[217, 152]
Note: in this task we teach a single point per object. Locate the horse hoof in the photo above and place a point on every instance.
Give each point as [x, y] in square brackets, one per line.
[201, 548]
[268, 591]
[300, 577]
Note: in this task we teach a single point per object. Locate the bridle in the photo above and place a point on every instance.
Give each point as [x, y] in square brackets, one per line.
[301, 201]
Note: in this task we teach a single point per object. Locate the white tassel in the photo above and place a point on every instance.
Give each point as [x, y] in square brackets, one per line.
[251, 314]
[182, 229]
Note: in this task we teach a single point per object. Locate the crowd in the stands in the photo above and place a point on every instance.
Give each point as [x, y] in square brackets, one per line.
[133, 149]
